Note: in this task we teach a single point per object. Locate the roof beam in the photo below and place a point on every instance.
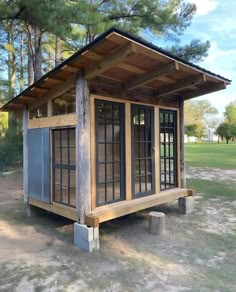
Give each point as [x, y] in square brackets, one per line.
[70, 68]
[109, 61]
[26, 98]
[209, 89]
[181, 85]
[150, 76]
[54, 80]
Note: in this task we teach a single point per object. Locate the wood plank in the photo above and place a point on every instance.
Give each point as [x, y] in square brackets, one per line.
[25, 155]
[181, 142]
[92, 221]
[203, 91]
[27, 98]
[83, 159]
[157, 149]
[128, 156]
[109, 61]
[54, 121]
[119, 209]
[181, 85]
[93, 153]
[150, 76]
[56, 209]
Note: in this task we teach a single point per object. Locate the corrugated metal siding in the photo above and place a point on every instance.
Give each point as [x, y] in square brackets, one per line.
[39, 164]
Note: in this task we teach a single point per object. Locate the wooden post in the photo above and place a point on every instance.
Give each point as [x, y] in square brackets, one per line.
[128, 166]
[83, 172]
[182, 150]
[25, 155]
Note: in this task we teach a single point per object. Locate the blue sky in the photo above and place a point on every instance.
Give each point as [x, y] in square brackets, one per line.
[215, 21]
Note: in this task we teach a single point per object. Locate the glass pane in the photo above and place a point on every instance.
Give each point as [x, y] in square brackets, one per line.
[117, 194]
[57, 155]
[64, 177]
[101, 152]
[142, 133]
[116, 133]
[109, 192]
[116, 152]
[143, 184]
[72, 137]
[57, 176]
[117, 170]
[72, 156]
[64, 138]
[137, 185]
[65, 195]
[109, 152]
[137, 166]
[149, 183]
[64, 152]
[72, 179]
[109, 171]
[64, 104]
[39, 112]
[142, 166]
[101, 193]
[149, 166]
[101, 173]
[101, 133]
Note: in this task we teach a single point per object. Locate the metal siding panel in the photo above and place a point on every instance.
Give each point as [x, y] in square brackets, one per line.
[39, 164]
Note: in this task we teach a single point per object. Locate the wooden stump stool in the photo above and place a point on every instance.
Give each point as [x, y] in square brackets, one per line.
[156, 223]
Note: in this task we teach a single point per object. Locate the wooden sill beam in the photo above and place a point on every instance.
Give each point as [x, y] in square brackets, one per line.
[150, 76]
[181, 85]
[207, 90]
[109, 61]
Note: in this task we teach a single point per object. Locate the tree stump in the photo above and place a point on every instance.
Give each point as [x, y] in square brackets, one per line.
[156, 223]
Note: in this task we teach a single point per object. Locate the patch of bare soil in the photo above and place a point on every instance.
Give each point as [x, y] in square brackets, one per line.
[196, 253]
[213, 174]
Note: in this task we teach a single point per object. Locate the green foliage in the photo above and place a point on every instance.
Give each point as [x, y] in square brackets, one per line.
[227, 131]
[194, 52]
[230, 112]
[11, 149]
[191, 130]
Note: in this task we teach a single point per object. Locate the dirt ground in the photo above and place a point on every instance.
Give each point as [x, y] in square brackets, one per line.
[197, 252]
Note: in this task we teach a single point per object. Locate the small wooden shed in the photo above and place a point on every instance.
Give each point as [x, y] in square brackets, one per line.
[104, 130]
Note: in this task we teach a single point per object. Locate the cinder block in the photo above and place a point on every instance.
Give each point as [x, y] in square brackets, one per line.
[83, 232]
[84, 244]
[86, 238]
[156, 223]
[186, 205]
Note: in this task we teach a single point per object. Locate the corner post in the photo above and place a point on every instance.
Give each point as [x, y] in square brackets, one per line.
[83, 173]
[182, 147]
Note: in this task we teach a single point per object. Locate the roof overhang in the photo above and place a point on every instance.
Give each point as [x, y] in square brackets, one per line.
[130, 62]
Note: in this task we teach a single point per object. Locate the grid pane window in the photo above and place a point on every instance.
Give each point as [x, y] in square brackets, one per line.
[109, 151]
[64, 166]
[142, 144]
[168, 149]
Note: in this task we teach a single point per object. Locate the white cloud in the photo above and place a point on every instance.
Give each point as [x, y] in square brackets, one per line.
[205, 6]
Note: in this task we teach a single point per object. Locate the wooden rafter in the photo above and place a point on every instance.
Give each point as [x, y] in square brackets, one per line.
[181, 85]
[109, 61]
[40, 89]
[211, 88]
[54, 80]
[27, 98]
[70, 68]
[150, 76]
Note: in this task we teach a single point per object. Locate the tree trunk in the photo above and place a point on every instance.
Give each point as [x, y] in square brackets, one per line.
[30, 56]
[37, 54]
[58, 51]
[11, 74]
[21, 61]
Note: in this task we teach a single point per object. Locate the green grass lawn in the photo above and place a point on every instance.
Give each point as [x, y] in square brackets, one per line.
[211, 155]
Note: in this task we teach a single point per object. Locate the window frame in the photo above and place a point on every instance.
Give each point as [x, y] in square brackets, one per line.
[122, 197]
[61, 166]
[134, 107]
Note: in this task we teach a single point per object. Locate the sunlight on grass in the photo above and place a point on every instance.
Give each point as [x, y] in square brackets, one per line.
[213, 189]
[211, 155]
